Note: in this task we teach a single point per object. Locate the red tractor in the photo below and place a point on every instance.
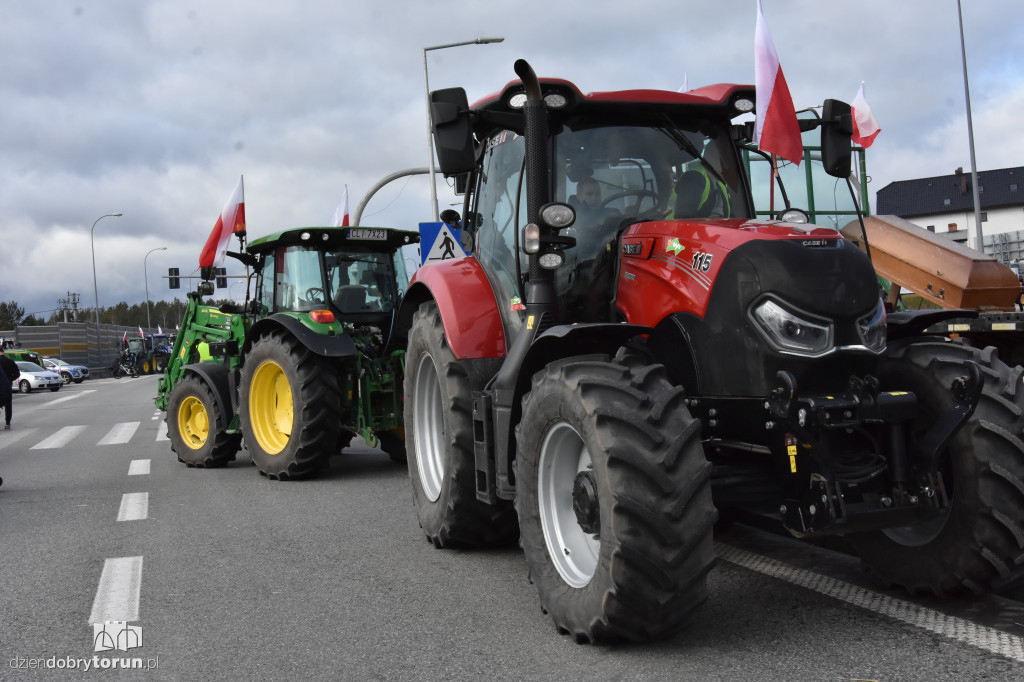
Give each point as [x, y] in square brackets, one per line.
[628, 349]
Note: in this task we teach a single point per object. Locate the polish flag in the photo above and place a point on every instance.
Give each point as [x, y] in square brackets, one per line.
[141, 335]
[124, 339]
[776, 129]
[159, 331]
[231, 221]
[341, 213]
[865, 127]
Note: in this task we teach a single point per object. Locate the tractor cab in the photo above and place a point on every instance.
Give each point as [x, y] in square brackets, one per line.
[615, 163]
[356, 274]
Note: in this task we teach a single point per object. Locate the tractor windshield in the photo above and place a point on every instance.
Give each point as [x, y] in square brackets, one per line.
[612, 175]
[616, 175]
[306, 278]
[361, 282]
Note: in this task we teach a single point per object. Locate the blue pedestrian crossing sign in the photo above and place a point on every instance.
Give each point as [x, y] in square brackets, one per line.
[439, 241]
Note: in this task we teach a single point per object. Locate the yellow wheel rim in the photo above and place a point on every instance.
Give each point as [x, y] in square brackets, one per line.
[270, 407]
[193, 422]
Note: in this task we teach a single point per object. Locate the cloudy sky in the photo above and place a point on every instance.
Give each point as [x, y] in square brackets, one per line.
[154, 109]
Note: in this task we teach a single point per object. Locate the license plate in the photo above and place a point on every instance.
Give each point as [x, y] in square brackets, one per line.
[364, 233]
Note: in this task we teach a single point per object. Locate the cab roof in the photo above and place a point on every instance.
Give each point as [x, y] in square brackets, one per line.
[366, 238]
[724, 99]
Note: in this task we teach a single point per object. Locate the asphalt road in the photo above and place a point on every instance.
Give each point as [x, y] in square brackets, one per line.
[231, 576]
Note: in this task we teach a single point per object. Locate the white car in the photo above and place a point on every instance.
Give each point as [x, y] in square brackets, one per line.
[69, 372]
[34, 376]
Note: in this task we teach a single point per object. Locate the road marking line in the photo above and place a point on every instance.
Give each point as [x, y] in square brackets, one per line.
[117, 597]
[120, 433]
[134, 507]
[138, 467]
[156, 415]
[980, 636]
[161, 433]
[66, 398]
[59, 439]
[14, 436]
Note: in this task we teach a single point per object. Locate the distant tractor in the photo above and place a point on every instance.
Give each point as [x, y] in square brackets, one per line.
[309, 363]
[628, 349]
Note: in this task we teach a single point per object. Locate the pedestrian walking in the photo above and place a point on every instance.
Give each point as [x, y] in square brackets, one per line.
[9, 373]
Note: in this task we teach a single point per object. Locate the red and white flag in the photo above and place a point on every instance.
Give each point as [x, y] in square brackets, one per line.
[124, 339]
[231, 221]
[865, 127]
[341, 213]
[159, 331]
[776, 129]
[141, 335]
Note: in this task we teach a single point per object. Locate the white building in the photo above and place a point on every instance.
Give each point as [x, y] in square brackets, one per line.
[945, 205]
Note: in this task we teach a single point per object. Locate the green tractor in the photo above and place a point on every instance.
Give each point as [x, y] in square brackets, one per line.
[304, 366]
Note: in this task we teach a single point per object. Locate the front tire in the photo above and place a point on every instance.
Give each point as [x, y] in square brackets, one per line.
[614, 500]
[439, 438]
[24, 386]
[54, 389]
[978, 543]
[197, 428]
[290, 407]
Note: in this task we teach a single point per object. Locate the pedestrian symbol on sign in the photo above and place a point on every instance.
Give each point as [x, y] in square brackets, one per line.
[444, 242]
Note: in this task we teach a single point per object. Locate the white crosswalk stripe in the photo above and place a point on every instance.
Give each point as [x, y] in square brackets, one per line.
[59, 439]
[120, 433]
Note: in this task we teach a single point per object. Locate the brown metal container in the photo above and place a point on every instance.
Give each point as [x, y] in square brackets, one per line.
[937, 269]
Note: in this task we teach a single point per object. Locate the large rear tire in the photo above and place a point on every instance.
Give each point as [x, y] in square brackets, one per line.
[614, 500]
[978, 543]
[197, 428]
[439, 439]
[290, 407]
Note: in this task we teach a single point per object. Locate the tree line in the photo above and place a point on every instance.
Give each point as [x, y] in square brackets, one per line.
[166, 314]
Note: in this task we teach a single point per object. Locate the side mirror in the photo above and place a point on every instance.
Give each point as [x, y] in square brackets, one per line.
[836, 132]
[453, 135]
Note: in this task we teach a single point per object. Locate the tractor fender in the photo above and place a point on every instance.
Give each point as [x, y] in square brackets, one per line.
[337, 346]
[670, 345]
[563, 341]
[466, 302]
[214, 375]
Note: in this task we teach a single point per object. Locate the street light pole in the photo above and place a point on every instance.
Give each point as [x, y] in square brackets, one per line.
[430, 118]
[970, 137]
[95, 291]
[145, 276]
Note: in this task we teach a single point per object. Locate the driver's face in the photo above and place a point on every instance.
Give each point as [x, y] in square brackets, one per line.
[590, 194]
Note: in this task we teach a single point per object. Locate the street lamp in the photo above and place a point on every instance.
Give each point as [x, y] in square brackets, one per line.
[145, 276]
[970, 138]
[95, 291]
[430, 118]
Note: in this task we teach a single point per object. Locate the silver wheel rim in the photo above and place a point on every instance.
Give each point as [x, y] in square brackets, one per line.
[428, 428]
[574, 553]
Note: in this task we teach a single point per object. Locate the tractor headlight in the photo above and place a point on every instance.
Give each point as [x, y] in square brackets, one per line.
[872, 329]
[790, 333]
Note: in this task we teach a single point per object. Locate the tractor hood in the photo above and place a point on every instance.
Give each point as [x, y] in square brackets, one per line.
[758, 292]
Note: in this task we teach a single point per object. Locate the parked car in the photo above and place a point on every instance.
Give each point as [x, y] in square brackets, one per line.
[34, 376]
[67, 371]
